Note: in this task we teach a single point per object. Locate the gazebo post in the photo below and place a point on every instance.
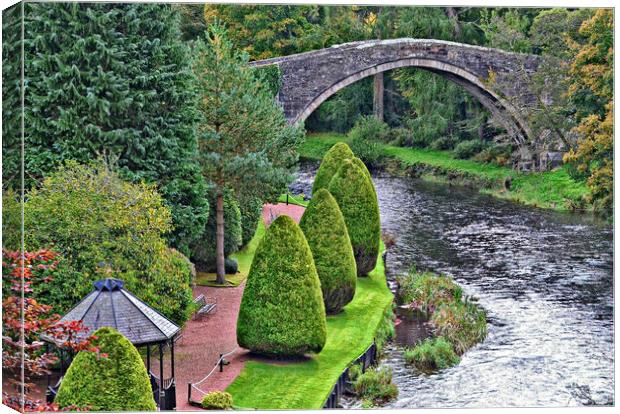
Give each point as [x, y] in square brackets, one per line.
[161, 377]
[172, 356]
[148, 359]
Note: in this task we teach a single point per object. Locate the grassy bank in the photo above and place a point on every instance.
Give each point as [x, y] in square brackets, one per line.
[552, 189]
[306, 384]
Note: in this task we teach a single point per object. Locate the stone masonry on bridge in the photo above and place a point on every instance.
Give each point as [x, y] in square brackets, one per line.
[308, 79]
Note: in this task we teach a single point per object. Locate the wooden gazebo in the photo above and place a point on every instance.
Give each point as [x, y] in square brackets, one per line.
[109, 304]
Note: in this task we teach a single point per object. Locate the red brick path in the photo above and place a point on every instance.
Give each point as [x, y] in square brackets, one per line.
[204, 340]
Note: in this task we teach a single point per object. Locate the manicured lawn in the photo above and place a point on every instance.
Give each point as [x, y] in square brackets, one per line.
[306, 385]
[244, 259]
[293, 199]
[552, 189]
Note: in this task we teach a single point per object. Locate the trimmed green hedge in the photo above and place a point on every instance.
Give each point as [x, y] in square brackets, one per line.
[332, 161]
[217, 400]
[203, 251]
[356, 196]
[118, 382]
[282, 311]
[326, 233]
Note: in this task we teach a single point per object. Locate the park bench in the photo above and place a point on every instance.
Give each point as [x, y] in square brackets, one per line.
[206, 305]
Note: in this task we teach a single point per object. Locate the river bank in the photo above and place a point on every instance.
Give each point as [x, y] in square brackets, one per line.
[554, 190]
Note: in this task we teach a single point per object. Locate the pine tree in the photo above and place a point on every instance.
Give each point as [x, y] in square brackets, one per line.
[110, 80]
[246, 144]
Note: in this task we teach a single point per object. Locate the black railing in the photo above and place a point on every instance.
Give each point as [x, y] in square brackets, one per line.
[366, 360]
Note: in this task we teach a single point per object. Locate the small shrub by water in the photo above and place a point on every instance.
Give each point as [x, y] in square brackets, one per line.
[432, 354]
[443, 143]
[462, 323]
[455, 319]
[217, 400]
[468, 149]
[375, 386]
[426, 291]
[370, 128]
[366, 138]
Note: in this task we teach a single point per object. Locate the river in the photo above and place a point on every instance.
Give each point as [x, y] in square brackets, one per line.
[544, 278]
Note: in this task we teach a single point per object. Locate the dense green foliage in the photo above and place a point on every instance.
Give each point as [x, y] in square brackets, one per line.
[270, 76]
[109, 80]
[365, 137]
[265, 385]
[331, 163]
[217, 400]
[355, 194]
[375, 386]
[432, 354]
[326, 233]
[100, 223]
[468, 149]
[203, 250]
[246, 144]
[116, 381]
[282, 311]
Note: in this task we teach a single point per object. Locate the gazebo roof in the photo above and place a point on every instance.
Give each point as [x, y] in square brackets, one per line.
[111, 305]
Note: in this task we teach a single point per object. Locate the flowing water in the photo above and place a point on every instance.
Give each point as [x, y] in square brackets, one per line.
[545, 280]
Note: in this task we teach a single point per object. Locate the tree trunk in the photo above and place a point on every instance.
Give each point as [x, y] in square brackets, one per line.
[219, 239]
[377, 103]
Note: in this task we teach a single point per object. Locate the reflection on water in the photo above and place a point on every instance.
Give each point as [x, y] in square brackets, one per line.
[544, 278]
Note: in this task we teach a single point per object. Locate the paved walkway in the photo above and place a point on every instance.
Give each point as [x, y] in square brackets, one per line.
[205, 339]
[272, 211]
[202, 343]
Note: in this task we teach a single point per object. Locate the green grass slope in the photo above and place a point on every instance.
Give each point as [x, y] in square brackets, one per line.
[306, 385]
[552, 189]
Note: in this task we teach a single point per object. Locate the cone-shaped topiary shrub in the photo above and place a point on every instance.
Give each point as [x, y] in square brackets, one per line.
[282, 311]
[356, 196]
[332, 161]
[326, 233]
[118, 382]
[364, 169]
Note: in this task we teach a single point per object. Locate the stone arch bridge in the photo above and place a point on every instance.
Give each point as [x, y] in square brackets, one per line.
[495, 77]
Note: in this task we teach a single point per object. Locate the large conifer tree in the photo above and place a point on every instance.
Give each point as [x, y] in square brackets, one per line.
[110, 80]
[246, 144]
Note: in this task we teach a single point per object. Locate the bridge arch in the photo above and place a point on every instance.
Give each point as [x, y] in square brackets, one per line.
[500, 109]
[309, 78]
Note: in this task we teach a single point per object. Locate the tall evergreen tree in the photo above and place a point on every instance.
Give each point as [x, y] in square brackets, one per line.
[111, 80]
[246, 144]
